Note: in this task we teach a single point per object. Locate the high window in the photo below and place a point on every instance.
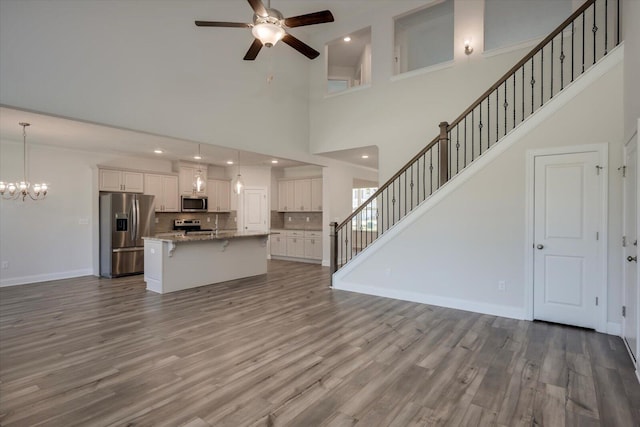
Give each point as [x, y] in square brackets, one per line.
[509, 22]
[349, 61]
[424, 38]
[368, 218]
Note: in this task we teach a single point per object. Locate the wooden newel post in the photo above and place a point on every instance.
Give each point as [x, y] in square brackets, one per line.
[443, 145]
[333, 250]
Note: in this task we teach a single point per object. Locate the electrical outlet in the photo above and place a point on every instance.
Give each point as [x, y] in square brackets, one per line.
[502, 286]
[83, 221]
[289, 219]
[5, 265]
[157, 220]
[387, 272]
[307, 219]
[208, 219]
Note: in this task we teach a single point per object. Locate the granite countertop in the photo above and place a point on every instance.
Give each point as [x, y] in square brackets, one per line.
[220, 235]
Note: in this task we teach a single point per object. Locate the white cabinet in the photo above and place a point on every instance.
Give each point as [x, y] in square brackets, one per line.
[316, 194]
[121, 181]
[188, 177]
[313, 245]
[219, 194]
[165, 190]
[300, 195]
[286, 202]
[278, 243]
[295, 244]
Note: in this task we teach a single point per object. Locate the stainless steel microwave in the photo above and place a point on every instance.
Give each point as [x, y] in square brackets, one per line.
[194, 203]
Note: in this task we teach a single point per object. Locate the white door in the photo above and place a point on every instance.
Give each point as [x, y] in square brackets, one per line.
[567, 268]
[630, 242]
[255, 209]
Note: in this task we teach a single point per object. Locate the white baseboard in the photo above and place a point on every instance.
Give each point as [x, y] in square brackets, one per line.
[24, 280]
[458, 304]
[614, 328]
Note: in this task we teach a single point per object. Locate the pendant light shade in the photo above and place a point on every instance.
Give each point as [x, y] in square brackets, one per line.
[238, 183]
[199, 182]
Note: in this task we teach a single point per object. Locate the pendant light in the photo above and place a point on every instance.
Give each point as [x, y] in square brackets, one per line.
[238, 183]
[198, 178]
[20, 190]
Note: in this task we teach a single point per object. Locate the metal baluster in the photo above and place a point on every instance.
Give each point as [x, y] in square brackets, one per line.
[573, 37]
[457, 148]
[506, 104]
[514, 100]
[552, 60]
[450, 159]
[480, 127]
[431, 168]
[522, 96]
[488, 120]
[562, 59]
[424, 176]
[533, 82]
[594, 30]
[541, 75]
[617, 22]
[405, 195]
[465, 141]
[473, 131]
[606, 27]
[393, 202]
[411, 184]
[583, 39]
[498, 114]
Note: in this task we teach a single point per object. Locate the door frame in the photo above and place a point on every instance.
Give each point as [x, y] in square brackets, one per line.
[623, 331]
[603, 153]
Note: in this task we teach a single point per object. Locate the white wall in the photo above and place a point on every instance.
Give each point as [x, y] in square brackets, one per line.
[144, 65]
[460, 248]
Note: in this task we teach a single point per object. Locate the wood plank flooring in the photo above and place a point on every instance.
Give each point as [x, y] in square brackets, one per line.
[284, 349]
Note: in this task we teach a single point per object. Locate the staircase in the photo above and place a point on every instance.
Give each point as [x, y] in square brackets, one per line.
[577, 44]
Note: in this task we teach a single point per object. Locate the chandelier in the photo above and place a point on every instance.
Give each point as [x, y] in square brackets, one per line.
[20, 190]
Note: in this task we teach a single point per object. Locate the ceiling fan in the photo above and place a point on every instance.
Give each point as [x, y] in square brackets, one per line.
[269, 25]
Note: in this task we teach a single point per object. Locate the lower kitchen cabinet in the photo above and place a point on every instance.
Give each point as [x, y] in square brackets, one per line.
[278, 244]
[297, 245]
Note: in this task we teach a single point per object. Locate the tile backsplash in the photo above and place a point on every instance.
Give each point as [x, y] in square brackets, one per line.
[296, 220]
[226, 221]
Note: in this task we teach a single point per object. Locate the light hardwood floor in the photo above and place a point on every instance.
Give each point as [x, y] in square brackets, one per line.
[285, 349]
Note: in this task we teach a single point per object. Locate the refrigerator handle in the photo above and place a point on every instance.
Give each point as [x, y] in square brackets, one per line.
[132, 222]
[137, 236]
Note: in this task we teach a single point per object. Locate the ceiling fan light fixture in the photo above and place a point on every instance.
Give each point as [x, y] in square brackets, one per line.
[268, 33]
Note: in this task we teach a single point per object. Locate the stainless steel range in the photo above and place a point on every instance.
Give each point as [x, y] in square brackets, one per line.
[191, 226]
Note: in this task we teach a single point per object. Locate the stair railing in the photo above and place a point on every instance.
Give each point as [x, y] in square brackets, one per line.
[572, 48]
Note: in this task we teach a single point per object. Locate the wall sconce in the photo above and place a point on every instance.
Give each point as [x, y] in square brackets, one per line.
[468, 50]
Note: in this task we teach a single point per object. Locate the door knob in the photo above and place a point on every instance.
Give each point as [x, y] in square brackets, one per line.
[632, 258]
[540, 246]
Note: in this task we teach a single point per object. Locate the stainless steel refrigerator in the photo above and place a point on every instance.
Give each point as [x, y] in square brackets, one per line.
[124, 219]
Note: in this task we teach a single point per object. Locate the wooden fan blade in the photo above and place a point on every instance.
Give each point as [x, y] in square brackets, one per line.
[300, 46]
[253, 51]
[221, 24]
[309, 19]
[258, 7]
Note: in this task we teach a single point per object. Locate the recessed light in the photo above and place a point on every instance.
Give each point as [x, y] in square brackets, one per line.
[158, 151]
[197, 157]
[229, 162]
[274, 161]
[365, 156]
[347, 39]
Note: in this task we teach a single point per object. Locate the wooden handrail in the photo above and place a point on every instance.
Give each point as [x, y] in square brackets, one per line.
[523, 61]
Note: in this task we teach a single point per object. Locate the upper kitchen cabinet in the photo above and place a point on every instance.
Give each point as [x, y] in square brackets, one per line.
[300, 195]
[219, 194]
[165, 190]
[121, 181]
[188, 176]
[286, 202]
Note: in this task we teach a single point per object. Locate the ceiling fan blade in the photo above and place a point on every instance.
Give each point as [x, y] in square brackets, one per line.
[258, 7]
[253, 51]
[221, 24]
[309, 19]
[300, 46]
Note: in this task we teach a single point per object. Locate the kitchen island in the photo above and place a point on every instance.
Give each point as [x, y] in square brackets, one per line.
[173, 262]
